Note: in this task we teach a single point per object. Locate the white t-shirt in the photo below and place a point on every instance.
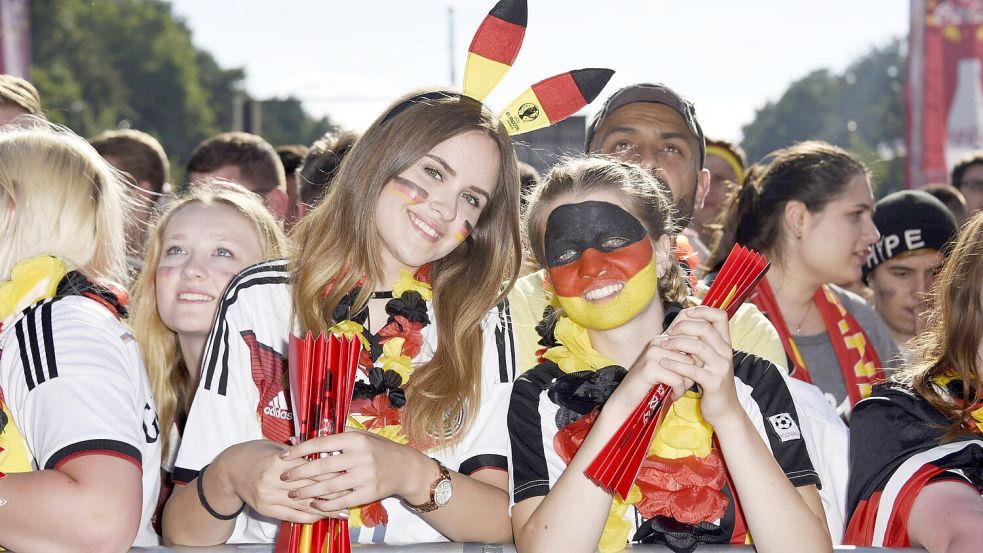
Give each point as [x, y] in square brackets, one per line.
[75, 384]
[240, 398]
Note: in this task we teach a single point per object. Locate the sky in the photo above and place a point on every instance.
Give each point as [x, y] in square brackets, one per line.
[349, 60]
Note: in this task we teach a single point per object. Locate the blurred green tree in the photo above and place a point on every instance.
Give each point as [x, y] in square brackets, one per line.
[106, 64]
[861, 110]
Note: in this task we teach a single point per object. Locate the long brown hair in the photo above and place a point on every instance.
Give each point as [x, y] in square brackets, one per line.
[173, 384]
[644, 195]
[952, 336]
[337, 243]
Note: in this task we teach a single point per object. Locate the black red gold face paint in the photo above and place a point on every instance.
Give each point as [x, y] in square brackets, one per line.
[465, 231]
[601, 263]
[413, 192]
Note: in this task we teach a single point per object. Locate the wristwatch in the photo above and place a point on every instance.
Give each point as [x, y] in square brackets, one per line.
[440, 491]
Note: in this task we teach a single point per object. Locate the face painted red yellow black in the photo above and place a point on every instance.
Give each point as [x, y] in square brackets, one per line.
[601, 263]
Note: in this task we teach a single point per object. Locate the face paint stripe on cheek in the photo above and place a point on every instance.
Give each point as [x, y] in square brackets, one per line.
[413, 192]
[462, 234]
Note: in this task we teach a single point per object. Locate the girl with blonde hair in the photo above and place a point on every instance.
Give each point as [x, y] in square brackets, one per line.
[78, 427]
[723, 461]
[195, 247]
[409, 250]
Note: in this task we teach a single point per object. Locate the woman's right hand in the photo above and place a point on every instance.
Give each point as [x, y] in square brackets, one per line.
[649, 371]
[251, 471]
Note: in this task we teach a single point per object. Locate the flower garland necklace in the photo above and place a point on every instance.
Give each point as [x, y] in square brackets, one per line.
[683, 475]
[386, 362]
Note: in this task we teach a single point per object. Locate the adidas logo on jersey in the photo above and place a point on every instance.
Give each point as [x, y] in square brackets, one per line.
[278, 408]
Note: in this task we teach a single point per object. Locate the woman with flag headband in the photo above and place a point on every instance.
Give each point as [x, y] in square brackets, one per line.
[723, 461]
[412, 253]
[809, 211]
[916, 451]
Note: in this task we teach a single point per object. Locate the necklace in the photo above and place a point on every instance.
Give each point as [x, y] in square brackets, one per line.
[798, 327]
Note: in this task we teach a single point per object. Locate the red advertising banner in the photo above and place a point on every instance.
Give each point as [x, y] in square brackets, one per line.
[15, 38]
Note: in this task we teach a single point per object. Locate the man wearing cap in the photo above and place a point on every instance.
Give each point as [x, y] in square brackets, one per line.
[17, 97]
[652, 125]
[915, 228]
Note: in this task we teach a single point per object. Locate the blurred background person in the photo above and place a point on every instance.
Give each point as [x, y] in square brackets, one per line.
[246, 159]
[17, 98]
[967, 177]
[726, 163]
[291, 155]
[915, 228]
[142, 158]
[952, 198]
[320, 165]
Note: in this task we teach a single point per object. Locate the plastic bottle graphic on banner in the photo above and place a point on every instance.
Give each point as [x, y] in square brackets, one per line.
[964, 124]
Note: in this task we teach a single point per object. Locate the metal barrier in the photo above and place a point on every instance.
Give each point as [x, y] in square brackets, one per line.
[476, 548]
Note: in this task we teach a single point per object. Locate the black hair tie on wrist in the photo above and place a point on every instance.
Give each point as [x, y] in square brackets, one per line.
[204, 502]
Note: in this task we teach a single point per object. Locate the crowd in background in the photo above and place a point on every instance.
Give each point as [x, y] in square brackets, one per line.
[854, 369]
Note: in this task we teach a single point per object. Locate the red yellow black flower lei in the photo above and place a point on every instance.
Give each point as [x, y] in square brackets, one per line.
[386, 363]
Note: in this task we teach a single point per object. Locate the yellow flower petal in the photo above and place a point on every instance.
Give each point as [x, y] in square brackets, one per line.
[406, 282]
[616, 529]
[354, 517]
[392, 358]
[392, 432]
[683, 432]
[31, 280]
[350, 329]
[575, 352]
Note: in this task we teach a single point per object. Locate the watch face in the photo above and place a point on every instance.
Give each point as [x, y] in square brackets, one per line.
[442, 494]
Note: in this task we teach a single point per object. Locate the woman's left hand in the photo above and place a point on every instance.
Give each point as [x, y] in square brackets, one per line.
[703, 334]
[359, 468]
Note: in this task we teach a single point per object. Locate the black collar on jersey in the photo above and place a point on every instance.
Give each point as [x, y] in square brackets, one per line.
[76, 284]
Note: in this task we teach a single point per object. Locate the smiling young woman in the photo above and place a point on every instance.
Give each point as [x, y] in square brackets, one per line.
[410, 248]
[711, 475]
[193, 250]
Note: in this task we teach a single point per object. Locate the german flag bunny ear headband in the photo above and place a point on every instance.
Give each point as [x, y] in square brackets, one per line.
[492, 52]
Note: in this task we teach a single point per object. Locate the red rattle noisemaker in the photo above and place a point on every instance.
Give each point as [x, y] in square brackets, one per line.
[616, 466]
[322, 374]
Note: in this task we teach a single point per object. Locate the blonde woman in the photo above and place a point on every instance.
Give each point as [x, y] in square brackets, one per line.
[411, 247]
[196, 246]
[80, 438]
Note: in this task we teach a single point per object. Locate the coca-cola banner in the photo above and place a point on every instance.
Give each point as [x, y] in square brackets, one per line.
[15, 38]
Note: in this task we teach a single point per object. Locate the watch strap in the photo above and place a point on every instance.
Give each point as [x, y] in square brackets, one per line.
[431, 505]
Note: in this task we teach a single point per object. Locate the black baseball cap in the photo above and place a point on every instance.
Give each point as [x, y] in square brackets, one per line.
[655, 93]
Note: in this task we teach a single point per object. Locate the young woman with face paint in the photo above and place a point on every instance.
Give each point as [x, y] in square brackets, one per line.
[601, 229]
[410, 249]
